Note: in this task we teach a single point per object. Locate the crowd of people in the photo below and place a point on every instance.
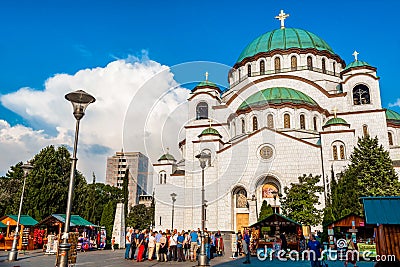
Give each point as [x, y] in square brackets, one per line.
[171, 245]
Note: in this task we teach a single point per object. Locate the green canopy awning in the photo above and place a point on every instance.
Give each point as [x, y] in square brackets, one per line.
[382, 210]
[25, 220]
[2, 225]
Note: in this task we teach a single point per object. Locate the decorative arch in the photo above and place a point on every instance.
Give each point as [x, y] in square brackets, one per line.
[365, 130]
[293, 62]
[262, 66]
[302, 122]
[361, 95]
[269, 179]
[239, 194]
[390, 137]
[270, 121]
[323, 67]
[162, 177]
[202, 111]
[309, 62]
[255, 123]
[286, 120]
[277, 64]
[338, 150]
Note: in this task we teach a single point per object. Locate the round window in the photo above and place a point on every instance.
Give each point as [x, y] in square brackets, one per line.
[266, 152]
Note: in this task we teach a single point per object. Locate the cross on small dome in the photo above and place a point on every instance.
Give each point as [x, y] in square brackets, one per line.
[355, 54]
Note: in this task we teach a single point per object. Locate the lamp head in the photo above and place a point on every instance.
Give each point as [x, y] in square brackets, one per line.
[80, 100]
[173, 196]
[27, 168]
[253, 197]
[203, 158]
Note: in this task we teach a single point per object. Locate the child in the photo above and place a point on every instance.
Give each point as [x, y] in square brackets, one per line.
[113, 243]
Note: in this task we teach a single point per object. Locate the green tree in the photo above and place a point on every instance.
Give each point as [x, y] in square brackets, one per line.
[370, 173]
[265, 211]
[10, 190]
[140, 217]
[301, 200]
[107, 217]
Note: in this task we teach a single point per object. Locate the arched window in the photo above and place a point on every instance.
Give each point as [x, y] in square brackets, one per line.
[233, 129]
[240, 74]
[241, 198]
[262, 67]
[342, 152]
[286, 121]
[365, 130]
[361, 95]
[277, 64]
[163, 177]
[302, 122]
[255, 123]
[293, 62]
[202, 111]
[315, 124]
[323, 66]
[334, 150]
[334, 68]
[243, 126]
[390, 136]
[309, 63]
[270, 121]
[249, 70]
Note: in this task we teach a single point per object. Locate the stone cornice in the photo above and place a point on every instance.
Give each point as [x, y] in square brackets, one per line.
[361, 74]
[206, 93]
[282, 105]
[359, 112]
[339, 131]
[268, 129]
[291, 77]
[205, 125]
[289, 51]
[358, 68]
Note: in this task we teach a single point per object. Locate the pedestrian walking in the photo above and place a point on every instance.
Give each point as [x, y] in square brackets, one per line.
[246, 246]
[140, 246]
[163, 248]
[128, 243]
[315, 251]
[151, 246]
[158, 237]
[113, 243]
[194, 236]
[179, 246]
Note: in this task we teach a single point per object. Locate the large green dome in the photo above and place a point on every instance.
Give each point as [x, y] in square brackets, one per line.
[277, 95]
[283, 39]
[392, 116]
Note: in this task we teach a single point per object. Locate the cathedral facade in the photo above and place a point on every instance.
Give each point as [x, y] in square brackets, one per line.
[293, 107]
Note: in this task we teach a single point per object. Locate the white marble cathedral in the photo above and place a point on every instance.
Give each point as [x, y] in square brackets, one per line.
[293, 107]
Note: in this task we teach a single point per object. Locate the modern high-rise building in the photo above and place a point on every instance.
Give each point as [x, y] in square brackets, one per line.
[134, 165]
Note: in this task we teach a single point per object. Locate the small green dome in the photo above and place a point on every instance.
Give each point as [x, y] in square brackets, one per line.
[209, 130]
[357, 63]
[206, 84]
[167, 157]
[335, 121]
[277, 95]
[284, 39]
[392, 116]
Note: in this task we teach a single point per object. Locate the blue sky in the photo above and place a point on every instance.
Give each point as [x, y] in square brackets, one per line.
[40, 39]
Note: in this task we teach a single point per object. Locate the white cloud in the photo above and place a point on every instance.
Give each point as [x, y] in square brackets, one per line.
[395, 104]
[101, 132]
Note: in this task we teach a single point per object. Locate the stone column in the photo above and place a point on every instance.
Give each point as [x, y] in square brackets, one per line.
[252, 212]
[119, 226]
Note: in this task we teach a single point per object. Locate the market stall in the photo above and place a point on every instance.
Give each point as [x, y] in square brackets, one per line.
[53, 227]
[383, 214]
[268, 232]
[26, 230]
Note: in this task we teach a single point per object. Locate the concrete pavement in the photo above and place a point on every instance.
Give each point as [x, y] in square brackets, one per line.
[109, 258]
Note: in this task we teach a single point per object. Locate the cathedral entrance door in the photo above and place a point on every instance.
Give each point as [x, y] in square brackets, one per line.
[242, 220]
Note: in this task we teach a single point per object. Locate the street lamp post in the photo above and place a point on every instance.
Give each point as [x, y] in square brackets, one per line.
[173, 196]
[275, 194]
[203, 158]
[13, 255]
[80, 100]
[253, 197]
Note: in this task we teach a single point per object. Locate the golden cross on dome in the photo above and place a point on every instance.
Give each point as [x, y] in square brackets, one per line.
[206, 74]
[282, 16]
[167, 150]
[355, 54]
[210, 121]
[334, 111]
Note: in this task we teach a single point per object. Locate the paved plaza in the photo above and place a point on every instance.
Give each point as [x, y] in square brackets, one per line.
[108, 258]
